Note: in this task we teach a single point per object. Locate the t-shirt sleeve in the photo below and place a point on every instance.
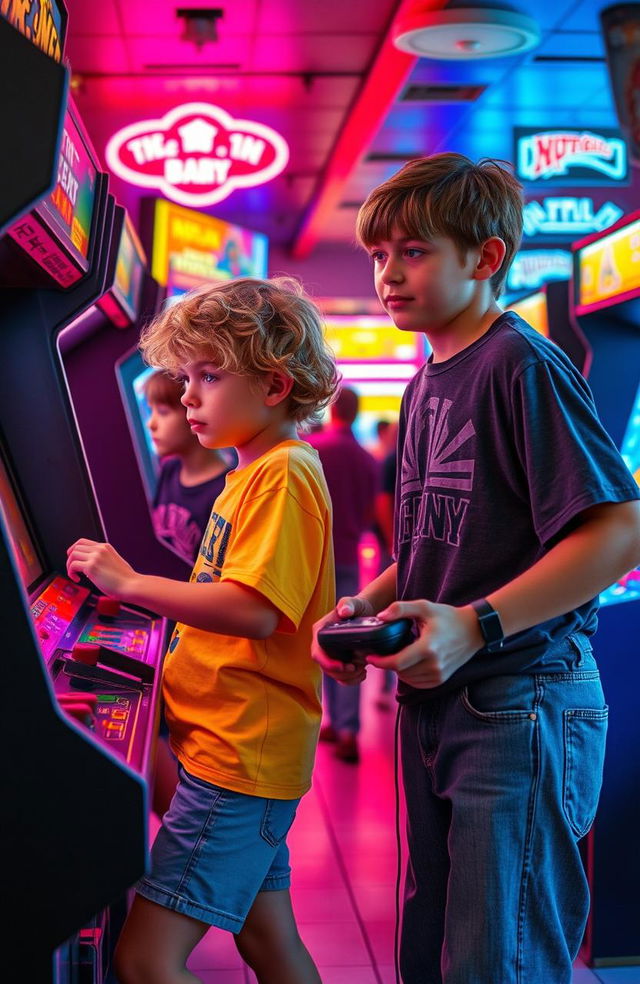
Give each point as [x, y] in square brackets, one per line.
[278, 549]
[570, 461]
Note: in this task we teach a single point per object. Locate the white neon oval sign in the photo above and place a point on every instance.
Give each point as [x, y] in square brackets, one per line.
[197, 154]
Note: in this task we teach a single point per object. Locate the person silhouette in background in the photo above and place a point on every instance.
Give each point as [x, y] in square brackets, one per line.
[352, 478]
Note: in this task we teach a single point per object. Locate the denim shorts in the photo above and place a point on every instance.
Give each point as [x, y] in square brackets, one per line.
[216, 850]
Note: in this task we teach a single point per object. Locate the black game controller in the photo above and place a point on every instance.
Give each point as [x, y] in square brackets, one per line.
[367, 634]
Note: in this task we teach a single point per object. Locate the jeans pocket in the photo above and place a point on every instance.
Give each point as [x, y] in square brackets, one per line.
[277, 819]
[499, 699]
[585, 733]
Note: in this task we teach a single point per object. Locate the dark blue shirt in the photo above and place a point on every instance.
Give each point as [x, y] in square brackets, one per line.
[501, 449]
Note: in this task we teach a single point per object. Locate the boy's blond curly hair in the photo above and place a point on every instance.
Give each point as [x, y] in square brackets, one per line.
[250, 327]
[447, 195]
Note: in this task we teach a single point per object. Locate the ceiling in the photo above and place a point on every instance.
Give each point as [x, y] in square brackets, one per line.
[325, 74]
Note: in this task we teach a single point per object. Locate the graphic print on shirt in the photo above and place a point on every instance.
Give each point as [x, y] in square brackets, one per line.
[213, 548]
[434, 459]
[176, 524]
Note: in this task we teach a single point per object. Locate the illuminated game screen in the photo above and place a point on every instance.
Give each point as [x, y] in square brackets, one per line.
[69, 207]
[628, 587]
[56, 233]
[191, 249]
[533, 310]
[130, 266]
[132, 374]
[24, 550]
[608, 269]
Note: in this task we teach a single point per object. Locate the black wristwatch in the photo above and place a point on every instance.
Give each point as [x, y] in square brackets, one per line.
[490, 624]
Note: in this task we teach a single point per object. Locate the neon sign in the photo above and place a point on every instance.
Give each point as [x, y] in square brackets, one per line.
[571, 156]
[197, 154]
[567, 217]
[534, 267]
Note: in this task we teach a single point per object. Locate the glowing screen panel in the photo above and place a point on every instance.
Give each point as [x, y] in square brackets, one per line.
[608, 269]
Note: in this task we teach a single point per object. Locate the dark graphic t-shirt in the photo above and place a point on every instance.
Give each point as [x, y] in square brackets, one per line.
[181, 512]
[500, 449]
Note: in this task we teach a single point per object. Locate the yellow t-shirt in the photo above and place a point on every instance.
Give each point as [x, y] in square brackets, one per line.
[243, 713]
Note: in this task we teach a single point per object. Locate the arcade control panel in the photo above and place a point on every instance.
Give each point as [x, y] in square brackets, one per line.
[104, 659]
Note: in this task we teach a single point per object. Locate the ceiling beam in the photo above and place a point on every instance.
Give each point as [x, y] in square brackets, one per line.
[364, 118]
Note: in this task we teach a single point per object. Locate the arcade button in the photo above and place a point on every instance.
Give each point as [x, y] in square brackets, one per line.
[107, 607]
[87, 653]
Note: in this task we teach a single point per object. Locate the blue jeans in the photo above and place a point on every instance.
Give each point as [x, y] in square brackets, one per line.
[501, 780]
[342, 702]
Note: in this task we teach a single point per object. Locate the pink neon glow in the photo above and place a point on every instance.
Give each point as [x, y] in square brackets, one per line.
[197, 154]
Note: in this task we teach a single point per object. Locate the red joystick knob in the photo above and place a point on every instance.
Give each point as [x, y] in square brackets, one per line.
[86, 652]
[107, 606]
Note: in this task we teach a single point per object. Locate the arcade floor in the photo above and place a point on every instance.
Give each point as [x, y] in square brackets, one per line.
[343, 855]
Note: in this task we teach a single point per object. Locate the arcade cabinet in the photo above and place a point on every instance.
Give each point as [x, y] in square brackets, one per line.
[81, 674]
[92, 348]
[606, 309]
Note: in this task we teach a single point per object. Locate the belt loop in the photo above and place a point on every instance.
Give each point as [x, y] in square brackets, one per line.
[581, 645]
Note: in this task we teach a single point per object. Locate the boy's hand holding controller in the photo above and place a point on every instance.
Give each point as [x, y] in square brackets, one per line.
[447, 638]
[355, 670]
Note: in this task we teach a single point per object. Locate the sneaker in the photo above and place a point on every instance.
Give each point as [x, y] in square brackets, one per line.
[328, 733]
[347, 748]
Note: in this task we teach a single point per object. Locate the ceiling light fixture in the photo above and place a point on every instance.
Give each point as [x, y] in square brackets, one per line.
[463, 33]
[200, 24]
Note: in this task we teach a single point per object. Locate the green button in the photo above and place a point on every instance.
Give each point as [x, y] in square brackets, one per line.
[107, 698]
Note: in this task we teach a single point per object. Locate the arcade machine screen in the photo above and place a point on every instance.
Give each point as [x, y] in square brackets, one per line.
[608, 273]
[533, 309]
[132, 373]
[608, 270]
[190, 249]
[121, 303]
[56, 233]
[24, 550]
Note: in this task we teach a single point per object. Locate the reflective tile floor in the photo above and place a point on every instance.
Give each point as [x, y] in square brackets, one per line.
[344, 861]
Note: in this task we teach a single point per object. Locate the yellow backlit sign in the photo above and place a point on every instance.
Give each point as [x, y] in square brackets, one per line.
[370, 339]
[609, 268]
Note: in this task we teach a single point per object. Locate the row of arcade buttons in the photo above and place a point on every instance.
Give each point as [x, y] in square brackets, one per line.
[107, 714]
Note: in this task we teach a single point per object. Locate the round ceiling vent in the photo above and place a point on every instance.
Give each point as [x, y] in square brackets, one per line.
[463, 33]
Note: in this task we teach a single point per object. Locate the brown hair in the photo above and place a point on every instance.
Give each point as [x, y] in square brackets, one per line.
[251, 327]
[448, 195]
[162, 388]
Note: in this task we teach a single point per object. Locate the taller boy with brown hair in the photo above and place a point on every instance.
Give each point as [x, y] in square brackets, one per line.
[513, 511]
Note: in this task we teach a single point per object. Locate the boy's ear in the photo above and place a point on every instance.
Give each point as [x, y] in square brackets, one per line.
[491, 258]
[278, 386]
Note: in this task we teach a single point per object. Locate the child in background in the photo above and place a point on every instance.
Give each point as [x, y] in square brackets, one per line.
[191, 476]
[513, 511]
[242, 695]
